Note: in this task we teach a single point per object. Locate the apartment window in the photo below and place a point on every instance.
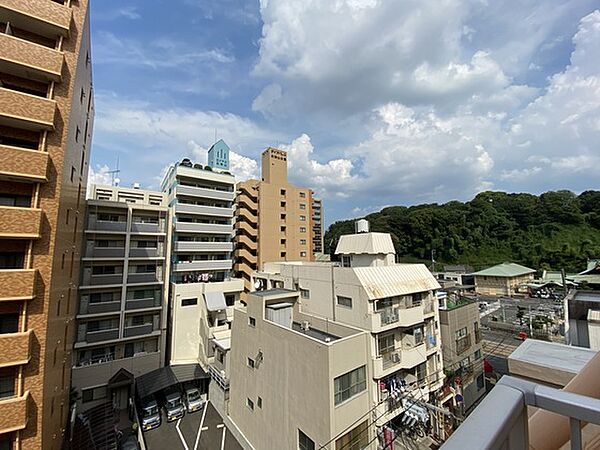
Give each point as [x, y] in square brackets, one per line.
[302, 206]
[250, 404]
[104, 270]
[20, 201]
[7, 383]
[282, 229]
[282, 192]
[302, 229]
[350, 384]
[344, 301]
[9, 323]
[355, 439]
[67, 218]
[283, 254]
[282, 241]
[72, 173]
[283, 217]
[82, 96]
[252, 321]
[302, 241]
[304, 442]
[251, 363]
[302, 254]
[101, 297]
[346, 261]
[461, 333]
[477, 355]
[62, 262]
[189, 301]
[302, 218]
[259, 402]
[304, 293]
[386, 344]
[229, 299]
[302, 194]
[480, 382]
[283, 204]
[97, 393]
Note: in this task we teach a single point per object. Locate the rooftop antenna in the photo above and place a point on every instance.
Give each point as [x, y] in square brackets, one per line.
[114, 174]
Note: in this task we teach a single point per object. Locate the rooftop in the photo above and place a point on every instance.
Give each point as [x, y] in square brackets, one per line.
[276, 291]
[399, 279]
[505, 270]
[314, 333]
[365, 243]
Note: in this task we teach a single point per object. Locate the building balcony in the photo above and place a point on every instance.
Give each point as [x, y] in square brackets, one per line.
[46, 17]
[146, 253]
[245, 254]
[26, 111]
[191, 227]
[139, 330]
[98, 336]
[402, 358]
[142, 303]
[86, 308]
[394, 317]
[14, 413]
[20, 223]
[203, 210]
[190, 246]
[105, 225]
[248, 228]
[217, 264]
[219, 376]
[245, 240]
[247, 215]
[103, 252]
[29, 60]
[205, 193]
[391, 407]
[143, 278]
[22, 164]
[18, 284]
[16, 348]
[153, 228]
[102, 280]
[245, 201]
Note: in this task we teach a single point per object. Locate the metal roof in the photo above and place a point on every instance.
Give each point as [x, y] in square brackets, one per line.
[593, 315]
[369, 243]
[159, 379]
[275, 291]
[399, 279]
[505, 270]
[215, 301]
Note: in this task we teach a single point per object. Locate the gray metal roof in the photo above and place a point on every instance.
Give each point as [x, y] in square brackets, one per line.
[215, 301]
[507, 270]
[159, 379]
[398, 279]
[365, 243]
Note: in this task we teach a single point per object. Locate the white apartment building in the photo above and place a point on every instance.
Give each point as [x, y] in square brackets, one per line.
[202, 292]
[394, 304]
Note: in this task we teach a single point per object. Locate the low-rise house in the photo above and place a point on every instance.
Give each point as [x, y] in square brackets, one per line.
[502, 279]
[582, 319]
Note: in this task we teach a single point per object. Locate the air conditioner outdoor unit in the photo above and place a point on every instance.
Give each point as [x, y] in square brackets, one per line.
[396, 357]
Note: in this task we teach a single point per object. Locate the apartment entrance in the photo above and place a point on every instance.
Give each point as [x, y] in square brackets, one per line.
[120, 389]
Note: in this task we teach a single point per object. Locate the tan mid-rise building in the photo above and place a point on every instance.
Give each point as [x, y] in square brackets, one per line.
[274, 219]
[46, 116]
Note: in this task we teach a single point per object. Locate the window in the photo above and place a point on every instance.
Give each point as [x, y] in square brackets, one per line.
[250, 404]
[302, 218]
[302, 229]
[282, 192]
[477, 355]
[346, 260]
[259, 402]
[283, 204]
[302, 194]
[350, 384]
[251, 363]
[100, 297]
[282, 242]
[302, 241]
[302, 206]
[9, 323]
[461, 333]
[7, 383]
[386, 344]
[89, 395]
[82, 96]
[283, 217]
[72, 174]
[283, 254]
[304, 293]
[480, 382]
[302, 254]
[304, 442]
[252, 321]
[344, 301]
[21, 201]
[355, 439]
[189, 301]
[229, 299]
[282, 228]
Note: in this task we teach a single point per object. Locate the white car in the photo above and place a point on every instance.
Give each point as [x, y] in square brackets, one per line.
[194, 401]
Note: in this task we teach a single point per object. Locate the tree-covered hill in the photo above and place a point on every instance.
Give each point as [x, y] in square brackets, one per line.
[554, 230]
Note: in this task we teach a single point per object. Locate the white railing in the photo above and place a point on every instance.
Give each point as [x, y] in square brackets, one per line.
[501, 422]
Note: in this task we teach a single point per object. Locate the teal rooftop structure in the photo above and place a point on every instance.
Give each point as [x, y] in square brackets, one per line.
[218, 155]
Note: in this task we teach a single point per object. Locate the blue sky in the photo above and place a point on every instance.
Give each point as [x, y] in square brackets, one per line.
[377, 102]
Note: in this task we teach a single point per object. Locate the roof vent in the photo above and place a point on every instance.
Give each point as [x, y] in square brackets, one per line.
[136, 185]
[361, 226]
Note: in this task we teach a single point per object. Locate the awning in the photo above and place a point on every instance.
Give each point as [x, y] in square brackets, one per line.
[223, 344]
[215, 301]
[159, 379]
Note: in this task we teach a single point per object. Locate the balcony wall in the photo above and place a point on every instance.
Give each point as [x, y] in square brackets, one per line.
[147, 228]
[16, 348]
[139, 330]
[225, 264]
[104, 225]
[396, 317]
[13, 413]
[101, 252]
[27, 59]
[99, 336]
[203, 210]
[44, 15]
[186, 246]
[100, 308]
[191, 227]
[142, 303]
[145, 253]
[18, 284]
[23, 164]
[20, 223]
[134, 278]
[205, 193]
[26, 111]
[102, 280]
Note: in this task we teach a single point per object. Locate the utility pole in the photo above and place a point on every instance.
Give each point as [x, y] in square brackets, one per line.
[530, 323]
[503, 312]
[433, 260]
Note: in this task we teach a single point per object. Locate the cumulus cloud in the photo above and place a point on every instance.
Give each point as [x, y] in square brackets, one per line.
[100, 175]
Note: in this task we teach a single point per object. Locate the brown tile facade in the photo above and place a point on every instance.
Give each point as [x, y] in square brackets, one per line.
[16, 348]
[42, 279]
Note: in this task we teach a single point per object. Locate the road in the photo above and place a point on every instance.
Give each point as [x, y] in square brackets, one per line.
[201, 430]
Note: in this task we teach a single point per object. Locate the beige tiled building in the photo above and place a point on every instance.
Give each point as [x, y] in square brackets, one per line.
[368, 322]
[502, 279]
[46, 115]
[274, 219]
[122, 313]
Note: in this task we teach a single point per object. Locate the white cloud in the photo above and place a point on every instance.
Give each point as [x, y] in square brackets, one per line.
[126, 12]
[100, 175]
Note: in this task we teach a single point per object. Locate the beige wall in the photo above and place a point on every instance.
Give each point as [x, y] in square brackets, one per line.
[487, 285]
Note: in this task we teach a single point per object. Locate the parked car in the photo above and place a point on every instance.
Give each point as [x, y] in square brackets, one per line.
[521, 335]
[131, 443]
[193, 400]
[150, 414]
[173, 405]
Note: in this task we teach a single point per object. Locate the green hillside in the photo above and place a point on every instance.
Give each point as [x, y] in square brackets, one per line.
[554, 230]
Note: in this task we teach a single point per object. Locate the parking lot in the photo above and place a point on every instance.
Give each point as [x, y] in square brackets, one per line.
[201, 430]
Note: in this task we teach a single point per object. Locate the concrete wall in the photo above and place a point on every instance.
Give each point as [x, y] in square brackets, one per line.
[486, 285]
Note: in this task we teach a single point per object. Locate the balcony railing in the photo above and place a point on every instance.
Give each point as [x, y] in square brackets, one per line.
[137, 278]
[219, 377]
[16, 348]
[405, 317]
[23, 163]
[501, 420]
[99, 307]
[188, 208]
[41, 14]
[107, 225]
[139, 330]
[102, 335]
[27, 58]
[193, 191]
[194, 227]
[142, 303]
[139, 227]
[13, 413]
